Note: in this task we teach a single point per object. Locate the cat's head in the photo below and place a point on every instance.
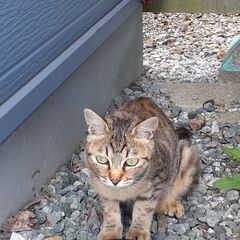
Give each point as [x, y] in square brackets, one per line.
[119, 148]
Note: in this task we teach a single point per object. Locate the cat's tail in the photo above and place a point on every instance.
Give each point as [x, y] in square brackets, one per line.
[183, 133]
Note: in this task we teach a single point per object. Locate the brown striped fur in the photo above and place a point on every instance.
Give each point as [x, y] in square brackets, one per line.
[167, 167]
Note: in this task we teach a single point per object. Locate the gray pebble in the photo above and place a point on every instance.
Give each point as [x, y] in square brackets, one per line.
[212, 218]
[192, 115]
[212, 144]
[55, 217]
[229, 132]
[199, 110]
[92, 193]
[75, 215]
[172, 237]
[215, 127]
[232, 195]
[181, 228]
[41, 216]
[38, 237]
[175, 111]
[47, 209]
[209, 105]
[68, 189]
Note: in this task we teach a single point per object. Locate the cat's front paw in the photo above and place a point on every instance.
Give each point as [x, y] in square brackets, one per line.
[174, 209]
[110, 233]
[137, 234]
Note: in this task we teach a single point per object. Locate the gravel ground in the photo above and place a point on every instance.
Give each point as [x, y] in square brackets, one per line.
[177, 47]
[186, 47]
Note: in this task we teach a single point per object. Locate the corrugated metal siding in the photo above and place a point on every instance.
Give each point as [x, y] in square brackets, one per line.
[33, 33]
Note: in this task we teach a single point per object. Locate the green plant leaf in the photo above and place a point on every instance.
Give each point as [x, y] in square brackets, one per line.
[232, 152]
[228, 183]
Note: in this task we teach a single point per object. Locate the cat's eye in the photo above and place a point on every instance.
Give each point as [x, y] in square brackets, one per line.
[131, 162]
[101, 159]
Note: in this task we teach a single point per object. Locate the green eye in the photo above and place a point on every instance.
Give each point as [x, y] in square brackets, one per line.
[101, 159]
[131, 162]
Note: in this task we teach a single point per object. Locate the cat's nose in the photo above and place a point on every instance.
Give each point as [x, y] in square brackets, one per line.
[115, 176]
[115, 181]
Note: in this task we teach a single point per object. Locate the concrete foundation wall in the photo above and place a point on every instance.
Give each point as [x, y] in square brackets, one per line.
[53, 132]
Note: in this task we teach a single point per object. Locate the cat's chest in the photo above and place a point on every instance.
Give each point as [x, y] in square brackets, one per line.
[121, 194]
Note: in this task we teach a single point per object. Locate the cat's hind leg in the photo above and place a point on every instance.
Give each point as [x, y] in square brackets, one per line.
[188, 174]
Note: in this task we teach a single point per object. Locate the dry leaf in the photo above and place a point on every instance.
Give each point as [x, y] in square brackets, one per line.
[220, 105]
[197, 123]
[221, 53]
[20, 222]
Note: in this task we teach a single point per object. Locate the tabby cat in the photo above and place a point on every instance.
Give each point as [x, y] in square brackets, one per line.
[136, 154]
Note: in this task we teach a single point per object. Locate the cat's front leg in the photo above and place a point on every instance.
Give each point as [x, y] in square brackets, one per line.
[111, 226]
[141, 219]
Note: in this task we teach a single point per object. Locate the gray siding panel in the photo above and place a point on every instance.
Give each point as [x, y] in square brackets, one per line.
[28, 98]
[33, 33]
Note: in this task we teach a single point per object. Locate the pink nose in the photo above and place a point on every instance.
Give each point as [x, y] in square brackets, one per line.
[115, 181]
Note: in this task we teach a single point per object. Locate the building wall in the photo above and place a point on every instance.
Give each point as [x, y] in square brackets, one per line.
[53, 132]
[33, 33]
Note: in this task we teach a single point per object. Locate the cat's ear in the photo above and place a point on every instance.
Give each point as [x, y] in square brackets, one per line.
[96, 125]
[145, 129]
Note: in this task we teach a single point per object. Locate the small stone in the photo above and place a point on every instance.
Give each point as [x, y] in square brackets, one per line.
[202, 188]
[175, 111]
[39, 237]
[192, 115]
[150, 43]
[199, 110]
[78, 184]
[229, 132]
[55, 217]
[206, 129]
[196, 233]
[232, 195]
[127, 91]
[75, 159]
[210, 231]
[41, 216]
[197, 123]
[48, 232]
[74, 205]
[75, 215]
[233, 163]
[92, 193]
[47, 210]
[215, 127]
[67, 209]
[220, 232]
[172, 237]
[154, 227]
[192, 222]
[213, 218]
[68, 189]
[210, 183]
[44, 203]
[209, 105]
[59, 227]
[134, 87]
[212, 144]
[181, 228]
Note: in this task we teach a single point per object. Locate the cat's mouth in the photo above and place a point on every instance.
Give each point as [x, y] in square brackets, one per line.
[120, 184]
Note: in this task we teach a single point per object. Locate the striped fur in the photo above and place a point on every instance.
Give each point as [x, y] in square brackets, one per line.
[167, 166]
